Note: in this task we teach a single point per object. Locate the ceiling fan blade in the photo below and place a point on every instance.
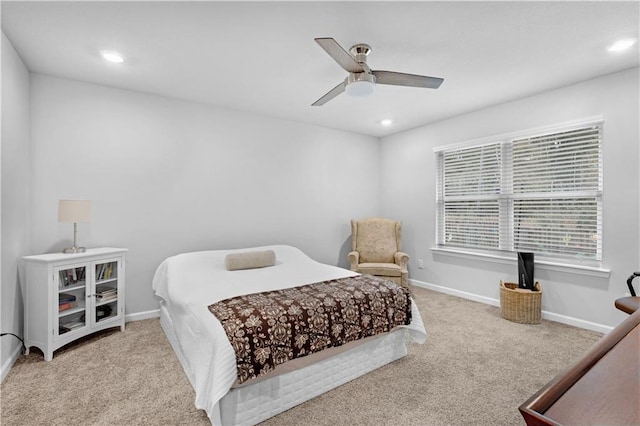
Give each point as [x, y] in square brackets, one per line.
[330, 95]
[341, 56]
[402, 79]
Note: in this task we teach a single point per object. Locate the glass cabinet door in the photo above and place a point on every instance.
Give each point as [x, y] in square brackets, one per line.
[106, 291]
[71, 287]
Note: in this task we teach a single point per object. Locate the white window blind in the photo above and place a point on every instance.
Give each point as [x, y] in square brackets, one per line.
[539, 193]
[470, 207]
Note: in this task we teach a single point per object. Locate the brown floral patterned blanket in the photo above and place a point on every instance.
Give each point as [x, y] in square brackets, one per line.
[267, 329]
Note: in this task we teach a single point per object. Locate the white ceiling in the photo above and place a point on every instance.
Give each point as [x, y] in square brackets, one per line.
[260, 57]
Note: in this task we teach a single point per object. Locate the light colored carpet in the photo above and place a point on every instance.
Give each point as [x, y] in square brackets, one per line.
[476, 368]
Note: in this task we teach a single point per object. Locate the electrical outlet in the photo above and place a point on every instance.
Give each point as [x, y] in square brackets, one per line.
[420, 263]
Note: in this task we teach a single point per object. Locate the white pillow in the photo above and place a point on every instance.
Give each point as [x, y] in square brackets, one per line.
[249, 260]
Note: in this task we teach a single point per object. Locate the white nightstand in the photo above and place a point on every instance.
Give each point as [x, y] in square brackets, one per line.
[68, 296]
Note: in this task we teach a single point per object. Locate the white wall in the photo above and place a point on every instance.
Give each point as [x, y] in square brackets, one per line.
[408, 193]
[168, 176]
[15, 195]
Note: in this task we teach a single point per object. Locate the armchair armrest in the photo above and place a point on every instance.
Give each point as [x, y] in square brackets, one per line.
[401, 258]
[354, 259]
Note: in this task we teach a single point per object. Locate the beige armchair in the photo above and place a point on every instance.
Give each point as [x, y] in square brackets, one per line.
[375, 245]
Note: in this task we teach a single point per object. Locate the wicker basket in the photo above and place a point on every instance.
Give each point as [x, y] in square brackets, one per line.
[520, 305]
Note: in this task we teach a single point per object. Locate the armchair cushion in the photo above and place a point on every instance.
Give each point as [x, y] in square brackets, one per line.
[376, 240]
[380, 269]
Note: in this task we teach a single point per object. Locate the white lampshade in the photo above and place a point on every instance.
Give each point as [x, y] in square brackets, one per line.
[73, 211]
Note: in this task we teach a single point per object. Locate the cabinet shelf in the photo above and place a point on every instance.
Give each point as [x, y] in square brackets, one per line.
[62, 331]
[105, 302]
[106, 318]
[67, 312]
[57, 278]
[81, 285]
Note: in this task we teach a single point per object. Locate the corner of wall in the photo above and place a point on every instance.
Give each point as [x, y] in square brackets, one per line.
[14, 184]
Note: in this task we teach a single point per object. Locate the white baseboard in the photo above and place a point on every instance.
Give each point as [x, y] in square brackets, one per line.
[139, 316]
[457, 293]
[551, 316]
[6, 367]
[588, 325]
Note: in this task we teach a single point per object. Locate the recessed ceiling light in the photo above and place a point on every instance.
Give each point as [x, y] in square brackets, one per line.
[622, 44]
[112, 56]
[386, 122]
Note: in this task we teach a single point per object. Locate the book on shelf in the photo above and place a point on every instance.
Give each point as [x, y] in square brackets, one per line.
[104, 271]
[71, 276]
[110, 291]
[71, 325]
[107, 299]
[107, 295]
[64, 279]
[66, 298]
[66, 306]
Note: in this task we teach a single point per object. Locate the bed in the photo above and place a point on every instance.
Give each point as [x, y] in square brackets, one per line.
[187, 284]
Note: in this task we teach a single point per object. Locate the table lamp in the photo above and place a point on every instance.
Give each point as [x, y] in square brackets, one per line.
[74, 211]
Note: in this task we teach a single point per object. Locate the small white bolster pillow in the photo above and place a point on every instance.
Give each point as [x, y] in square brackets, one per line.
[249, 260]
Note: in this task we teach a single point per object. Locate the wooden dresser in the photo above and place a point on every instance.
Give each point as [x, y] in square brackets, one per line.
[601, 388]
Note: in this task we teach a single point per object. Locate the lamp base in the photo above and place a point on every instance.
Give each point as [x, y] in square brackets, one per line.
[75, 250]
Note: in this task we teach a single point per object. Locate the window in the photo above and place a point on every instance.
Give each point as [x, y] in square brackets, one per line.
[537, 192]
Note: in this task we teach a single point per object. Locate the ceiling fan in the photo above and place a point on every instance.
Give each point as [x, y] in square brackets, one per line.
[361, 80]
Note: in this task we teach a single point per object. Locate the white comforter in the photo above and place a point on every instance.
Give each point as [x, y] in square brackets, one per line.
[188, 283]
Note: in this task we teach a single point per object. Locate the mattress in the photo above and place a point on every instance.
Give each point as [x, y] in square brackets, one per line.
[260, 400]
[189, 282]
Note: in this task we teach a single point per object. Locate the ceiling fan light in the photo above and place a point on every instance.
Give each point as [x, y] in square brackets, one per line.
[361, 88]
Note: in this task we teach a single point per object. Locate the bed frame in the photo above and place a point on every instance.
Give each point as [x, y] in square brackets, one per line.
[256, 402]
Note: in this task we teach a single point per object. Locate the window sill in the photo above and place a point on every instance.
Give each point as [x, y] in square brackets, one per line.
[594, 271]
